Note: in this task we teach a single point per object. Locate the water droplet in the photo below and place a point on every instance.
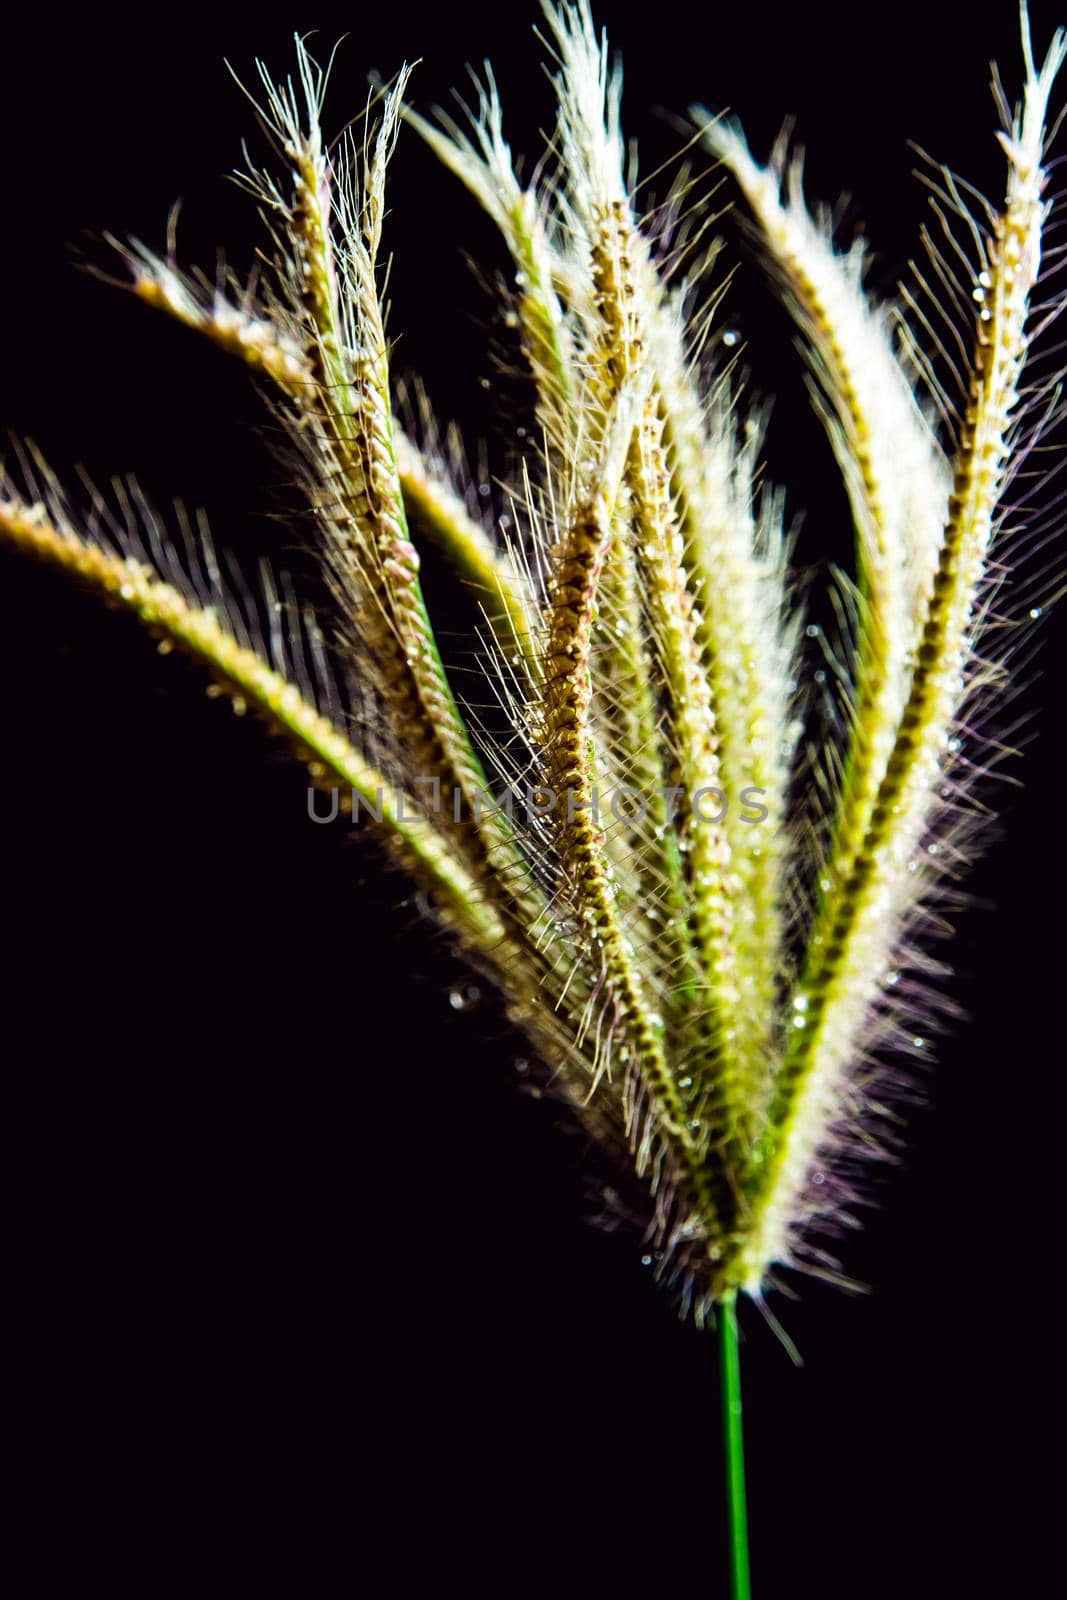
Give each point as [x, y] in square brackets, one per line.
[918, 1043]
[646, 1261]
[464, 996]
[484, 490]
[522, 1065]
[818, 1178]
[731, 338]
[1036, 612]
[813, 630]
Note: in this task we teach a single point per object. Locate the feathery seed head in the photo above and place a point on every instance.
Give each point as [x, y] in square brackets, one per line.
[631, 860]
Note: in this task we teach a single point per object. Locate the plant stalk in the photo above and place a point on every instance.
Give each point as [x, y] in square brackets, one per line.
[734, 1448]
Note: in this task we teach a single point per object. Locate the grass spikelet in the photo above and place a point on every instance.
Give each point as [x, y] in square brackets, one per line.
[889, 457]
[868, 904]
[179, 618]
[482, 160]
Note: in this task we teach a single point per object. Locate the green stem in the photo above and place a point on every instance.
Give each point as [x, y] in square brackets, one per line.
[734, 1446]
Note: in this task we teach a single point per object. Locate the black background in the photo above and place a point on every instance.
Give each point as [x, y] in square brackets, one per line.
[301, 1288]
